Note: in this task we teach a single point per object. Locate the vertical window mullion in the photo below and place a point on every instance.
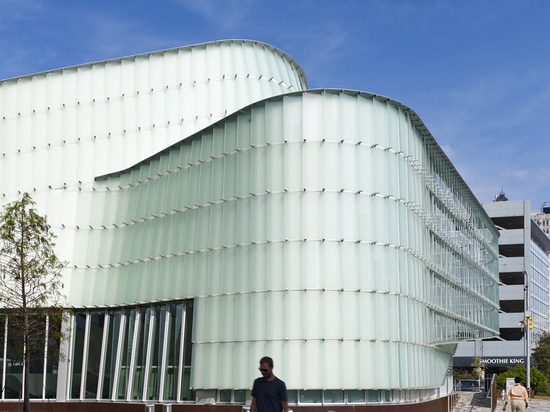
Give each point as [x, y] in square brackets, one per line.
[148, 356]
[118, 355]
[45, 371]
[76, 349]
[165, 352]
[5, 354]
[181, 361]
[132, 366]
[102, 356]
[84, 371]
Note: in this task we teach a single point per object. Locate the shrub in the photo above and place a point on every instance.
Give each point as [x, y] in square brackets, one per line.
[539, 382]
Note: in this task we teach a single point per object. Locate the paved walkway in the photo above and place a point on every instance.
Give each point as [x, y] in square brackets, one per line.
[478, 402]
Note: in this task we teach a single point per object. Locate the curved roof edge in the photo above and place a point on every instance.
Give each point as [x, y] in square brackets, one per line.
[282, 53]
[418, 123]
[423, 129]
[415, 118]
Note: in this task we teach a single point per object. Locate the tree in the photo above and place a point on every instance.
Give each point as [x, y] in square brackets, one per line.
[462, 373]
[30, 280]
[478, 368]
[541, 354]
[539, 382]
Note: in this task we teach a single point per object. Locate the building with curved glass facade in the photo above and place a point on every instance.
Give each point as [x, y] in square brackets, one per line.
[213, 210]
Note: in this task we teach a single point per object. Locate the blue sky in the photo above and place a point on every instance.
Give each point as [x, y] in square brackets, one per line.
[476, 71]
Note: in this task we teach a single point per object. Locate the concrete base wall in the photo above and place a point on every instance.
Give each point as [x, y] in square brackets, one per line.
[437, 405]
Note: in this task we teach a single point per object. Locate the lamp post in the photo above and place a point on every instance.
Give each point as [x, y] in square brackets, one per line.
[528, 325]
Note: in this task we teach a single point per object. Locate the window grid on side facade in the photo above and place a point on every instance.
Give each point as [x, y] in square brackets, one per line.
[138, 353]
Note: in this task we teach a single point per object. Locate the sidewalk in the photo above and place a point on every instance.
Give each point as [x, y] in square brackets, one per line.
[478, 402]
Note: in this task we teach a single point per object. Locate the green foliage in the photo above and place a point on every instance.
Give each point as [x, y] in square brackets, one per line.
[31, 271]
[459, 373]
[474, 373]
[30, 283]
[539, 382]
[478, 367]
[541, 354]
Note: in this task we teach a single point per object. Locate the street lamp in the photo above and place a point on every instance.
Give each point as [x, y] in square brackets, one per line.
[527, 327]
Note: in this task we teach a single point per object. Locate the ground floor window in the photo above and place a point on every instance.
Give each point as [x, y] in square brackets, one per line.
[133, 353]
[43, 368]
[335, 396]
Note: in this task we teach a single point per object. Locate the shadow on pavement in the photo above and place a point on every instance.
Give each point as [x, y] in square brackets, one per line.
[481, 399]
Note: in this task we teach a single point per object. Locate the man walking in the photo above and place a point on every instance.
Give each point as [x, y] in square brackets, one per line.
[518, 397]
[268, 392]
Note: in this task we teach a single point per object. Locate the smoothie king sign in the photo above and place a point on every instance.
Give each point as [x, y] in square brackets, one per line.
[503, 361]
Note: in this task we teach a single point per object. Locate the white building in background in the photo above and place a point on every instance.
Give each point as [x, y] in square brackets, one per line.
[542, 218]
[213, 210]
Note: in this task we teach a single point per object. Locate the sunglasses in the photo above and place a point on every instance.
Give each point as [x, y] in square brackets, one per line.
[263, 370]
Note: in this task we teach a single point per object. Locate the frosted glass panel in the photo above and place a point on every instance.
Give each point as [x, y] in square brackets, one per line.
[292, 223]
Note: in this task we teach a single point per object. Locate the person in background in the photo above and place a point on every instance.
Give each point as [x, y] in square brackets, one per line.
[268, 392]
[517, 397]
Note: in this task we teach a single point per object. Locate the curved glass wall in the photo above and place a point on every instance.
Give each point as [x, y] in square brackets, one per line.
[61, 128]
[308, 226]
[314, 226]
